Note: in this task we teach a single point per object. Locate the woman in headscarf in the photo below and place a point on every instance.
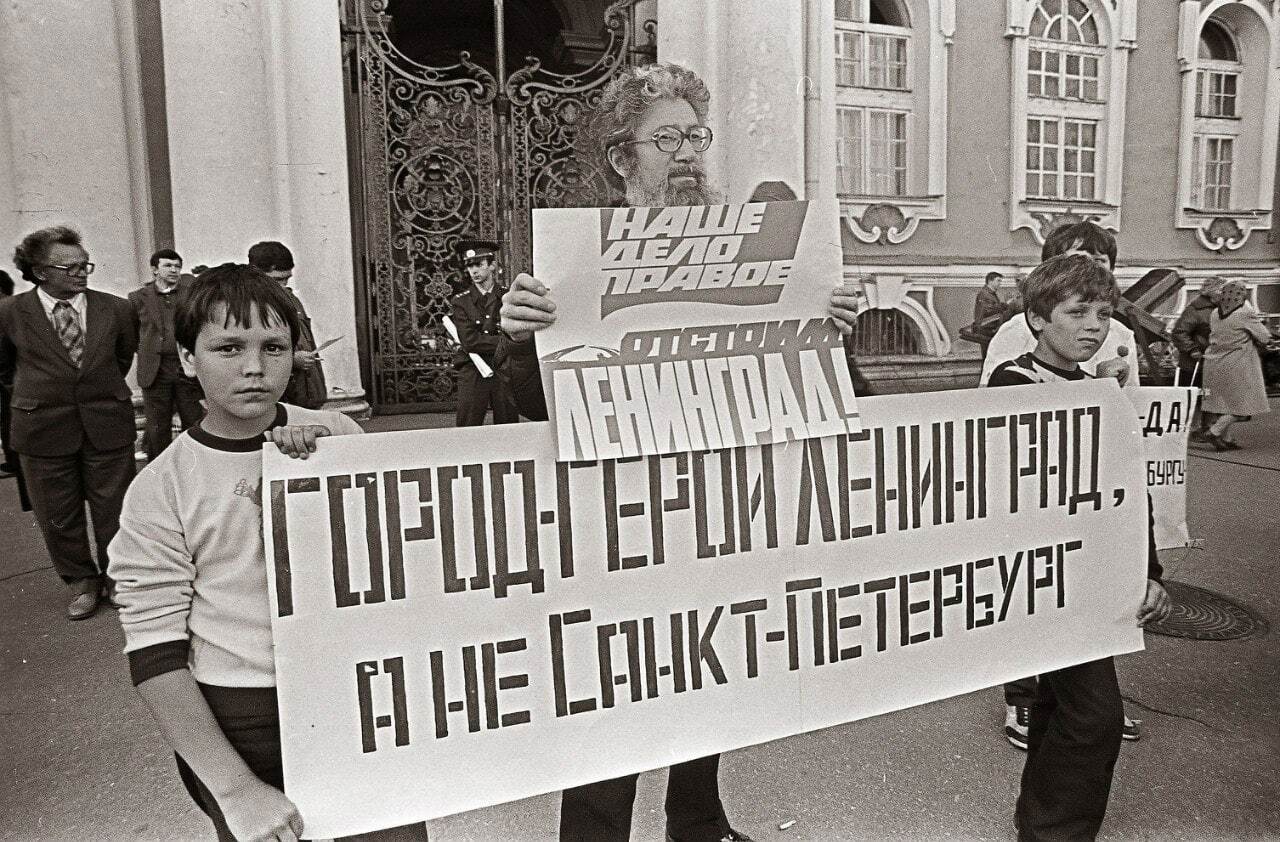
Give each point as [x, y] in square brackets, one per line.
[1232, 367]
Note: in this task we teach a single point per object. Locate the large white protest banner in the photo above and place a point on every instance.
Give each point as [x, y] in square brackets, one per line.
[1165, 414]
[742, 352]
[460, 620]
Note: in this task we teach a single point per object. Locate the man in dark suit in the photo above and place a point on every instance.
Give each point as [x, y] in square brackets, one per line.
[307, 387]
[475, 316]
[64, 350]
[164, 386]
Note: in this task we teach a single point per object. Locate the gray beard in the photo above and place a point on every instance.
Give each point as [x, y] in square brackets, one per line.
[665, 195]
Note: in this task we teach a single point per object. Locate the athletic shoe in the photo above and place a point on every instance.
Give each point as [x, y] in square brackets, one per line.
[1132, 729]
[1016, 720]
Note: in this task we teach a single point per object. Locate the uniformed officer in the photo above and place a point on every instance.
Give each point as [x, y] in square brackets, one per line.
[475, 314]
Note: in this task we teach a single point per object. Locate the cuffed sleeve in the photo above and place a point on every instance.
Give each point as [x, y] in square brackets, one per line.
[158, 659]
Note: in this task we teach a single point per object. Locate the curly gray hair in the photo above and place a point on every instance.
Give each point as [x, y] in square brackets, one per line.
[626, 99]
[34, 248]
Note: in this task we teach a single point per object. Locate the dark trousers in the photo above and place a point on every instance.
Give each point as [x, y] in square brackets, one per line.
[601, 811]
[11, 460]
[477, 395]
[169, 391]
[249, 721]
[1021, 692]
[1072, 746]
[59, 488]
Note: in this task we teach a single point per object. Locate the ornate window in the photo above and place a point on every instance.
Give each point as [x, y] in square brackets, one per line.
[1230, 60]
[873, 96]
[890, 65]
[1070, 63]
[871, 150]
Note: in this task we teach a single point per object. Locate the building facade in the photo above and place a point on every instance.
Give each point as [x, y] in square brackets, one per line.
[955, 134]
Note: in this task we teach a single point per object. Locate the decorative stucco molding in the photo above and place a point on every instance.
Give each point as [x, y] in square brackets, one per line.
[896, 292]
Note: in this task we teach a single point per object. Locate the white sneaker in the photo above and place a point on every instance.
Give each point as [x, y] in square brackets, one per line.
[1016, 720]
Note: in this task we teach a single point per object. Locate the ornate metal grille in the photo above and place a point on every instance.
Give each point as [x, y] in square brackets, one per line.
[879, 333]
[440, 153]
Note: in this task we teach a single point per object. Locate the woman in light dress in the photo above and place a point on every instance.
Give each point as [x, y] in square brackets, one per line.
[1232, 366]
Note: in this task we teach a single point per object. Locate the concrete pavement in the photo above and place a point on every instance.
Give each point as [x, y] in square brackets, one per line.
[81, 759]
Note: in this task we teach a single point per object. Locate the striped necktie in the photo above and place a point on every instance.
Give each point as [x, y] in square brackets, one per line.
[67, 322]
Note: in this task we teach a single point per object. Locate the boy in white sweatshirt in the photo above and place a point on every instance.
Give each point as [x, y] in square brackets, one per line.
[189, 563]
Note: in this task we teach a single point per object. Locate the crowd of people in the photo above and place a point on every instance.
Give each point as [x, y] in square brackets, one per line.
[231, 351]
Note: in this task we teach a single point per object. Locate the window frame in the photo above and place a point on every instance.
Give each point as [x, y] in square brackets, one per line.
[929, 30]
[1097, 190]
[1254, 32]
[860, 34]
[864, 145]
[1200, 183]
[1060, 173]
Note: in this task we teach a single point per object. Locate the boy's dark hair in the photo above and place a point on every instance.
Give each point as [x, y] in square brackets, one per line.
[164, 254]
[32, 252]
[1061, 277]
[241, 288]
[270, 256]
[1084, 235]
[6, 283]
[991, 275]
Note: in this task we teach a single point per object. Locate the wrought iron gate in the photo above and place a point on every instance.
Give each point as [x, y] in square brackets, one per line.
[439, 153]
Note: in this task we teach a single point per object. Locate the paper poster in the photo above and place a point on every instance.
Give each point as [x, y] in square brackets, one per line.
[462, 621]
[690, 328]
[1165, 414]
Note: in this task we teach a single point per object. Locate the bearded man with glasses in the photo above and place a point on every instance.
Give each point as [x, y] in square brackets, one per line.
[650, 130]
[64, 352]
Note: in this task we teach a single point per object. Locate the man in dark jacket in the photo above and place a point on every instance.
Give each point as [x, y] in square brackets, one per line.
[307, 387]
[64, 352]
[164, 386]
[1191, 336]
[475, 317]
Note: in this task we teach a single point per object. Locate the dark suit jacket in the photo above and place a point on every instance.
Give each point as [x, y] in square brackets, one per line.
[307, 387]
[150, 315]
[56, 406]
[988, 304]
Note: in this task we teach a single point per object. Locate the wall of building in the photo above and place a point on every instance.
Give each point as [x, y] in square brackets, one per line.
[69, 111]
[951, 256]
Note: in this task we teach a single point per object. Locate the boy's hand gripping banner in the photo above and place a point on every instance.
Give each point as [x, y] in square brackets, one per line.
[460, 620]
[743, 352]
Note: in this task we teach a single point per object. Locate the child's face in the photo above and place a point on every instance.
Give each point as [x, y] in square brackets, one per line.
[243, 370]
[1073, 332]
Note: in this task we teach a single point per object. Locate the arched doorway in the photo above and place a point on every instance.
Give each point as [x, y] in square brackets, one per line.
[442, 147]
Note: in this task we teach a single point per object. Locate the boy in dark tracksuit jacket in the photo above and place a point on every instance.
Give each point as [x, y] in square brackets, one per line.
[1077, 718]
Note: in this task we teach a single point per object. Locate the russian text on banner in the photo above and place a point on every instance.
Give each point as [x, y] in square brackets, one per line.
[460, 620]
[1164, 415]
[691, 328]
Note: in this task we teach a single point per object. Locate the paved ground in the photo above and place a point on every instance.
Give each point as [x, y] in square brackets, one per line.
[80, 758]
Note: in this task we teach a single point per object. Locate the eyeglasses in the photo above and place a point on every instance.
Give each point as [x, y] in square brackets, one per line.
[669, 139]
[72, 268]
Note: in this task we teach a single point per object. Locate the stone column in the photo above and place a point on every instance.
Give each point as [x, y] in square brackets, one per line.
[310, 170]
[64, 132]
[258, 152]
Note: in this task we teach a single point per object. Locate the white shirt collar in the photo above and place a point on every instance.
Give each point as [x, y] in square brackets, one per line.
[77, 301]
